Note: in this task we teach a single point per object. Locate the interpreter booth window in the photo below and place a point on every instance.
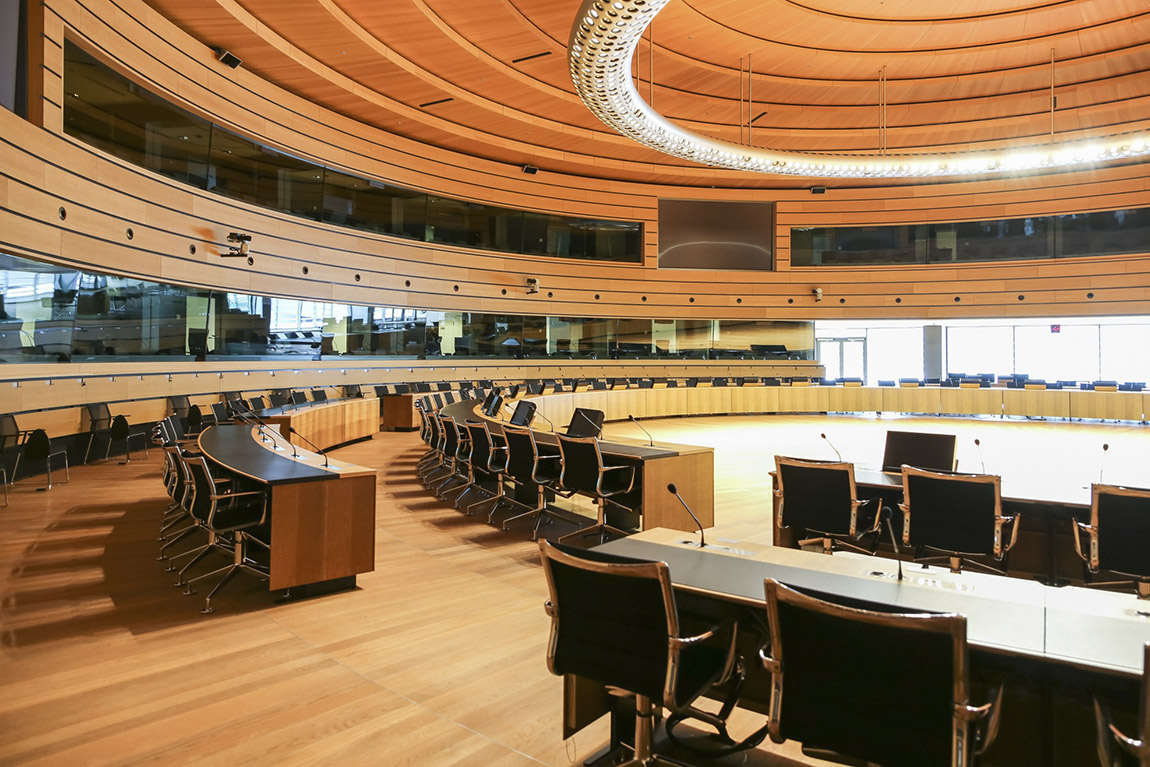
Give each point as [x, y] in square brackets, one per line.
[1057, 352]
[894, 353]
[1125, 352]
[37, 308]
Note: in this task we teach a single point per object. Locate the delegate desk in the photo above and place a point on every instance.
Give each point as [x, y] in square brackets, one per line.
[692, 468]
[1052, 648]
[322, 518]
[326, 424]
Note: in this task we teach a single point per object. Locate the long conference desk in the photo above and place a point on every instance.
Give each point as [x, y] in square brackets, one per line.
[1053, 648]
[325, 424]
[322, 517]
[656, 466]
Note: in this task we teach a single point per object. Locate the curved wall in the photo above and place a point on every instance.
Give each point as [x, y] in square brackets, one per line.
[42, 171]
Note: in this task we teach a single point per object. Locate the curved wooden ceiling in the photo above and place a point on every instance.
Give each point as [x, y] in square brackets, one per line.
[489, 77]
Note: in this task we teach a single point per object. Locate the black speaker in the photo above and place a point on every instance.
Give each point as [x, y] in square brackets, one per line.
[530, 170]
[227, 58]
[818, 190]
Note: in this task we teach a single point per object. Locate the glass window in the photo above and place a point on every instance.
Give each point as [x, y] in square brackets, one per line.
[975, 350]
[373, 205]
[245, 170]
[1057, 352]
[37, 309]
[893, 353]
[1124, 353]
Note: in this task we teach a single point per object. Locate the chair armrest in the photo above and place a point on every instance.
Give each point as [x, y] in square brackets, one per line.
[549, 608]
[223, 496]
[999, 523]
[728, 630]
[991, 712]
[630, 484]
[905, 509]
[1082, 527]
[871, 523]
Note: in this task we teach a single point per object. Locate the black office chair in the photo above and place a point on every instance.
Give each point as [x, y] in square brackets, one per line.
[318, 395]
[220, 413]
[258, 403]
[528, 467]
[196, 422]
[960, 514]
[614, 621]
[180, 405]
[12, 439]
[1131, 751]
[1118, 534]
[829, 693]
[37, 448]
[281, 397]
[239, 516]
[488, 462]
[820, 497]
[121, 430]
[583, 472]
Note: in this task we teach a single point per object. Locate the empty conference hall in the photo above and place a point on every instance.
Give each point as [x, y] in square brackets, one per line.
[721, 383]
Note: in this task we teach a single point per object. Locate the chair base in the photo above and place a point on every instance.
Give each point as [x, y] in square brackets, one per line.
[955, 561]
[602, 529]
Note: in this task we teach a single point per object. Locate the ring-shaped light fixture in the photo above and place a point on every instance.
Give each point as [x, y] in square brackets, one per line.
[603, 41]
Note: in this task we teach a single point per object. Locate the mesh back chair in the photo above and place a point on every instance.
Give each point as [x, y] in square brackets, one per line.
[488, 463]
[1117, 536]
[960, 514]
[829, 693]
[298, 397]
[819, 498]
[527, 467]
[1132, 751]
[236, 516]
[99, 425]
[614, 621]
[220, 413]
[318, 395]
[39, 448]
[443, 443]
[12, 439]
[258, 403]
[179, 404]
[280, 397]
[583, 472]
[122, 430]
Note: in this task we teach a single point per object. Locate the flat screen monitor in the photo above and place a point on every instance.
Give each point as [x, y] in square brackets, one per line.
[585, 422]
[298, 397]
[920, 449]
[492, 405]
[524, 413]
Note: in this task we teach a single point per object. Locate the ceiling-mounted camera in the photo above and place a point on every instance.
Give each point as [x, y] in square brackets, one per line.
[240, 248]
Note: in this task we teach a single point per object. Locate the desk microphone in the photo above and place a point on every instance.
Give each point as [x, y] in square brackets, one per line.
[890, 529]
[293, 430]
[262, 427]
[675, 491]
[840, 455]
[548, 420]
[650, 439]
[1102, 463]
[978, 445]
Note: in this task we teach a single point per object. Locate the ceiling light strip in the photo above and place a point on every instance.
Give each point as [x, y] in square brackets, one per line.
[603, 41]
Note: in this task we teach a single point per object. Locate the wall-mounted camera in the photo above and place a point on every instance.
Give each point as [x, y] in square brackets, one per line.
[240, 247]
[532, 285]
[817, 293]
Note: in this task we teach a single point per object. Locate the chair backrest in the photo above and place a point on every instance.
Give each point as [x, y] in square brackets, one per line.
[298, 397]
[535, 387]
[318, 395]
[180, 404]
[585, 422]
[611, 618]
[582, 464]
[258, 403]
[521, 453]
[816, 495]
[195, 418]
[9, 431]
[99, 417]
[353, 391]
[480, 445]
[822, 657]
[450, 436]
[38, 446]
[220, 411]
[1121, 517]
[950, 511]
[120, 428]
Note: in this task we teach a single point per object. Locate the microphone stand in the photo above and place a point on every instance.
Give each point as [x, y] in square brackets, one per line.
[262, 427]
[650, 439]
[293, 430]
[978, 445]
[548, 420]
[675, 491]
[840, 455]
[890, 529]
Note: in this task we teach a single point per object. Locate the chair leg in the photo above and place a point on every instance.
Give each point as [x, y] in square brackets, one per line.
[238, 563]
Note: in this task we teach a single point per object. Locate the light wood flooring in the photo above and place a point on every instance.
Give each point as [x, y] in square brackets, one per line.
[436, 659]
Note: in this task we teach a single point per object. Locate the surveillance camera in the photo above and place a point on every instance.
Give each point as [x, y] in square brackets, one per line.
[817, 293]
[237, 237]
[532, 285]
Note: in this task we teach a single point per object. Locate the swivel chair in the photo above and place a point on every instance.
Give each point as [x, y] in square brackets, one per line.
[960, 514]
[614, 621]
[1117, 536]
[823, 656]
[819, 498]
[583, 472]
[1132, 751]
[525, 467]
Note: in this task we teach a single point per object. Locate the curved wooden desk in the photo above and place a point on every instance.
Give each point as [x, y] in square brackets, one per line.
[322, 518]
[326, 424]
[692, 468]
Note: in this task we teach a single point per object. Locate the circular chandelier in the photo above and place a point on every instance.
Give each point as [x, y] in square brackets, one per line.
[603, 41]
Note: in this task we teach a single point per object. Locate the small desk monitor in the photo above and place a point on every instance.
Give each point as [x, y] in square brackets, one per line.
[920, 449]
[524, 413]
[492, 404]
[585, 422]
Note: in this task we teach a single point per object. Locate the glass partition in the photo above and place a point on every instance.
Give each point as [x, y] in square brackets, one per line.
[114, 114]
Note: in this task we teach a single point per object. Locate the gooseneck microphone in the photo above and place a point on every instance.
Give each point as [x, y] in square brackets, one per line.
[634, 420]
[978, 445]
[1102, 463]
[293, 430]
[262, 427]
[890, 529]
[840, 455]
[545, 418]
[675, 491]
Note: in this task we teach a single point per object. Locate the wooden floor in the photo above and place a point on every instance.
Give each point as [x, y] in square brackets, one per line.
[438, 657]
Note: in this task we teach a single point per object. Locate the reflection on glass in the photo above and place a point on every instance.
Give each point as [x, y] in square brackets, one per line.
[108, 111]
